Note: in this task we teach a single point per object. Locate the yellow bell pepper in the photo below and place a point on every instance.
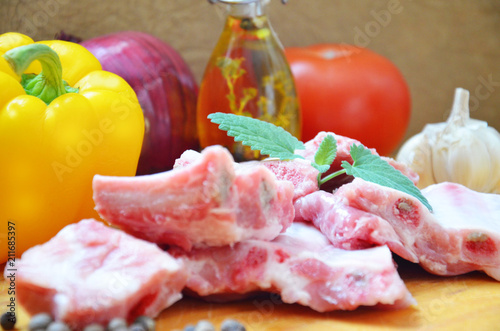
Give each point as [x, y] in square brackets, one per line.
[62, 120]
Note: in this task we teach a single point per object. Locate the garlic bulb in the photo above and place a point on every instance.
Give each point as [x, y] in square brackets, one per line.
[461, 150]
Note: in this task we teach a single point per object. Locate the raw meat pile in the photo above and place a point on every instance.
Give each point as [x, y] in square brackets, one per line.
[227, 230]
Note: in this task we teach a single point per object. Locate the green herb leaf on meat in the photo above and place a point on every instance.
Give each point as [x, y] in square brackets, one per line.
[324, 156]
[261, 136]
[276, 142]
[373, 169]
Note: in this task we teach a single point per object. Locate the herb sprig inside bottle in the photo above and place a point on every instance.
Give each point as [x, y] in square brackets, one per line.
[274, 141]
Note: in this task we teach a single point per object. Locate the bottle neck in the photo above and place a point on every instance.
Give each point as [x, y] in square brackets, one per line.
[245, 8]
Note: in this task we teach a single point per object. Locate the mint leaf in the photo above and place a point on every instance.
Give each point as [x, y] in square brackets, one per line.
[261, 136]
[326, 153]
[373, 169]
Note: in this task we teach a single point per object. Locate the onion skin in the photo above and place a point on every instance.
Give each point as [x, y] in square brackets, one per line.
[166, 89]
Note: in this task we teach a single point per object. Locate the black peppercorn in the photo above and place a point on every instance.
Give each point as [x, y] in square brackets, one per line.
[8, 321]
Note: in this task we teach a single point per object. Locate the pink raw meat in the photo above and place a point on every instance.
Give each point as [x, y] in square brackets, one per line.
[300, 173]
[205, 203]
[343, 147]
[461, 235]
[90, 273]
[303, 267]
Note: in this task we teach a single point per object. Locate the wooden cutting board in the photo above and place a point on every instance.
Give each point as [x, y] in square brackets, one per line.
[467, 302]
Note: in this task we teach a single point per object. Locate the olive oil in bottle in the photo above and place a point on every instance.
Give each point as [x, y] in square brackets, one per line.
[247, 74]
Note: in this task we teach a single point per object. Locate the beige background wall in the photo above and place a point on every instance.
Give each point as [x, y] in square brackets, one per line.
[437, 44]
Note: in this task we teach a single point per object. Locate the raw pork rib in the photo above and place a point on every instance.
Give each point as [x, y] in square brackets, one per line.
[300, 173]
[205, 203]
[461, 235]
[343, 147]
[90, 273]
[303, 267]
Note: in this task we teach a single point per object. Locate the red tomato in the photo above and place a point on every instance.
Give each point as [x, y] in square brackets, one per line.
[351, 91]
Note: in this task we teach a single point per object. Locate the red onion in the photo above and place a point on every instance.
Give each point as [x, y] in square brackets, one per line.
[165, 87]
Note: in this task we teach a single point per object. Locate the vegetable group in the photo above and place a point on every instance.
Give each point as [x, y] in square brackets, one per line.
[166, 89]
[350, 91]
[56, 135]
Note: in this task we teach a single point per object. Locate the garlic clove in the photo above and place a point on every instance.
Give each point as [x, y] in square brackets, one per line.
[491, 139]
[459, 158]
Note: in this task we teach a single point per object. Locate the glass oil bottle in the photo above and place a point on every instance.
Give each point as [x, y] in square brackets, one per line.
[247, 74]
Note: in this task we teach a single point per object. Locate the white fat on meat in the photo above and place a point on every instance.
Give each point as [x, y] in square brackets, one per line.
[204, 203]
[462, 234]
[90, 273]
[303, 267]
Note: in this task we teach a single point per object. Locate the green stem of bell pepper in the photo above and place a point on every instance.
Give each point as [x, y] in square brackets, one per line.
[48, 84]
